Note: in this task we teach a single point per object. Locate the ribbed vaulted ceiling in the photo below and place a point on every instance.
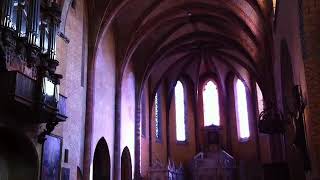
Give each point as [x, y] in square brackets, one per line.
[168, 37]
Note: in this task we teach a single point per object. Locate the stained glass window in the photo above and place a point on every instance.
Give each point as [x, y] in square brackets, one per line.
[211, 104]
[157, 116]
[242, 110]
[180, 112]
[274, 5]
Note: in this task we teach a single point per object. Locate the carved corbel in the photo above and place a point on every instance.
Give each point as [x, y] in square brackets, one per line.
[272, 121]
[47, 131]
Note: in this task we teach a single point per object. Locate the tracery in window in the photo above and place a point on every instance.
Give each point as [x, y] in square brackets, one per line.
[242, 110]
[157, 111]
[211, 104]
[259, 99]
[180, 112]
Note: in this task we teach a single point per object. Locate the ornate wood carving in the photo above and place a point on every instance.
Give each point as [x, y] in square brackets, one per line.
[213, 165]
[296, 118]
[159, 171]
[271, 121]
[28, 61]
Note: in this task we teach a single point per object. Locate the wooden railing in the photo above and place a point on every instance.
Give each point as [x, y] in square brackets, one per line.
[62, 106]
[19, 94]
[24, 86]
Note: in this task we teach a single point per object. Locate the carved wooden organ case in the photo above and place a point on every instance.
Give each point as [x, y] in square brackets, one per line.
[30, 84]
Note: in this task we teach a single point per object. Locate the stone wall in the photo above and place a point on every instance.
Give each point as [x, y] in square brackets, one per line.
[311, 14]
[297, 25]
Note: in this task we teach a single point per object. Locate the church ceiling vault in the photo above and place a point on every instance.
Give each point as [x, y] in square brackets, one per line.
[160, 33]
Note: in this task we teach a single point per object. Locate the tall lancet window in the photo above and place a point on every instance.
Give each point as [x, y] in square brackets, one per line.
[211, 104]
[157, 112]
[274, 6]
[259, 99]
[242, 110]
[180, 112]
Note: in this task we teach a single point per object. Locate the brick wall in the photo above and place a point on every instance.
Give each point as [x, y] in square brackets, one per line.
[71, 57]
[302, 38]
[311, 14]
[312, 69]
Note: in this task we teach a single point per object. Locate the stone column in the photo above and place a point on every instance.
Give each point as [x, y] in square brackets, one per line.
[117, 130]
[137, 136]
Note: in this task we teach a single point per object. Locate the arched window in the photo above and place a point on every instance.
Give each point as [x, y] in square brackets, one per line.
[242, 110]
[180, 112]
[259, 99]
[274, 6]
[157, 112]
[210, 98]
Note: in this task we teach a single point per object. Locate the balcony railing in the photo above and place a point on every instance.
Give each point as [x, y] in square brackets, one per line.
[62, 107]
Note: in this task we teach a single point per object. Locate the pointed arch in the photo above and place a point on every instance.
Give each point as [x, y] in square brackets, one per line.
[274, 6]
[211, 109]
[101, 161]
[126, 166]
[242, 110]
[180, 111]
[17, 154]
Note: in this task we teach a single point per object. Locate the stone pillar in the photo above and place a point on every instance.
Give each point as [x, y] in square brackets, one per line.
[137, 146]
[117, 131]
[89, 121]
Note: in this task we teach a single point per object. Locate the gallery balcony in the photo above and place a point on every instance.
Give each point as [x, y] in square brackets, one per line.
[26, 100]
[29, 90]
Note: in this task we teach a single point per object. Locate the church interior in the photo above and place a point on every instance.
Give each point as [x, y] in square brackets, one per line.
[159, 90]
